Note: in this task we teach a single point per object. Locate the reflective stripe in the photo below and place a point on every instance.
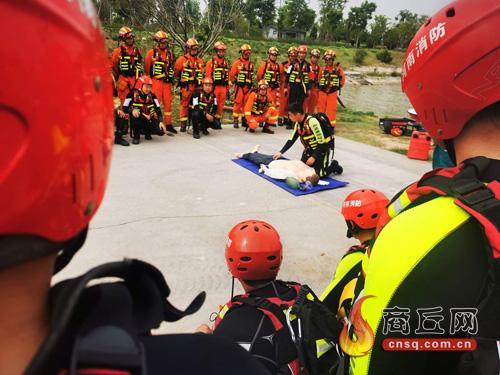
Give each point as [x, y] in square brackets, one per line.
[223, 311]
[389, 266]
[399, 204]
[322, 346]
[248, 113]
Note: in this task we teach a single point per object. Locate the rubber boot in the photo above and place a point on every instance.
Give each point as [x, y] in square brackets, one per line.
[120, 141]
[244, 123]
[235, 123]
[171, 129]
[266, 129]
[183, 126]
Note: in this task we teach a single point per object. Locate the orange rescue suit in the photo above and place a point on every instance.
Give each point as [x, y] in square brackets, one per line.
[159, 65]
[189, 72]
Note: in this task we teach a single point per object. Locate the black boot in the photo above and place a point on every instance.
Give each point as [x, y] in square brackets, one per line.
[171, 129]
[205, 132]
[136, 141]
[235, 123]
[266, 129]
[183, 126]
[120, 141]
[196, 135]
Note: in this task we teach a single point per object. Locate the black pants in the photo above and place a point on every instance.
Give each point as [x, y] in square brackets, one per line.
[297, 94]
[148, 127]
[258, 158]
[324, 164]
[121, 126]
[200, 122]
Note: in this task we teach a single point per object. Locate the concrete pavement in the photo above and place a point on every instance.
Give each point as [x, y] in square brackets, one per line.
[171, 202]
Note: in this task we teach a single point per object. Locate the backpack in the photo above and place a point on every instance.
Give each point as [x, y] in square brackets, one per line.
[306, 330]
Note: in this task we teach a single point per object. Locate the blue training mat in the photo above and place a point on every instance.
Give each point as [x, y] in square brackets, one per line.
[333, 184]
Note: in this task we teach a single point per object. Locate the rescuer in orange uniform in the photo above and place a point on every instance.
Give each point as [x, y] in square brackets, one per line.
[283, 99]
[241, 75]
[331, 80]
[189, 72]
[259, 109]
[312, 99]
[126, 62]
[217, 69]
[159, 65]
[272, 72]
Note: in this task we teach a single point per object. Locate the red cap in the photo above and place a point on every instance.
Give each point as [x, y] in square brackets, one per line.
[254, 251]
[450, 71]
[364, 207]
[57, 134]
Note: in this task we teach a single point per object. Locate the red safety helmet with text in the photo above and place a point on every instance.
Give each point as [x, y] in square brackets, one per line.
[451, 69]
[57, 134]
[254, 251]
[363, 207]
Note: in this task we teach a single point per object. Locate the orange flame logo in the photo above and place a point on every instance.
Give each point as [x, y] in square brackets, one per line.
[362, 340]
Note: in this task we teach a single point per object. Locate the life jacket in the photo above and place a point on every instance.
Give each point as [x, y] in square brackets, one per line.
[299, 73]
[330, 80]
[220, 72]
[260, 106]
[307, 137]
[272, 74]
[130, 64]
[145, 103]
[245, 74]
[192, 72]
[305, 330]
[162, 67]
[205, 102]
[315, 71]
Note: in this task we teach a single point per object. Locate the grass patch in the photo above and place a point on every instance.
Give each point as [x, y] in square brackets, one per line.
[398, 150]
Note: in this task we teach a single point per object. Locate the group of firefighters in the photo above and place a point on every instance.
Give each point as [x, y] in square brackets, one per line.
[143, 84]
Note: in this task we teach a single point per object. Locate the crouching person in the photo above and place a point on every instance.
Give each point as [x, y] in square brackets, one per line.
[203, 110]
[273, 318]
[259, 109]
[145, 112]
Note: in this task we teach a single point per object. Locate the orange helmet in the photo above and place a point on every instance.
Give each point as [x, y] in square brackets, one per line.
[362, 209]
[161, 35]
[191, 42]
[124, 32]
[245, 47]
[329, 52]
[292, 51]
[273, 51]
[145, 80]
[302, 49]
[253, 251]
[219, 45]
[261, 83]
[207, 81]
[315, 52]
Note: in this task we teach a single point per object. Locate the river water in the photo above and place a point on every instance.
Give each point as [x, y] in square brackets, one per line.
[382, 99]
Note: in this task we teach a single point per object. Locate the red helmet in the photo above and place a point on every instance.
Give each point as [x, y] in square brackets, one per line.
[363, 207]
[124, 32]
[57, 134]
[145, 80]
[253, 251]
[207, 81]
[302, 49]
[450, 71]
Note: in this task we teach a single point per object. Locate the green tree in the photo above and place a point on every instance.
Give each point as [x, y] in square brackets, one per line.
[260, 12]
[379, 28]
[296, 14]
[407, 25]
[313, 34]
[331, 12]
[357, 20]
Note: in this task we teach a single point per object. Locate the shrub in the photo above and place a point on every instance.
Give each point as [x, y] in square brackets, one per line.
[359, 56]
[384, 56]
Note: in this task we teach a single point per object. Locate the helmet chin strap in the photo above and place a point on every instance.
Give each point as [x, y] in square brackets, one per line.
[450, 147]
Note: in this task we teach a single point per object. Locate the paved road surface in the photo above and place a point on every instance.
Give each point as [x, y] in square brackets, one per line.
[171, 202]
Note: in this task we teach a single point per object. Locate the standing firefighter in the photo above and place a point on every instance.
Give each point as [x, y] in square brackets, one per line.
[189, 72]
[217, 69]
[241, 75]
[159, 65]
[298, 78]
[331, 80]
[272, 72]
[283, 99]
[144, 111]
[126, 62]
[259, 109]
[204, 109]
[312, 99]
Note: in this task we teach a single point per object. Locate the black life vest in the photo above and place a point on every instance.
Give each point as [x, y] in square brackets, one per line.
[315, 71]
[272, 74]
[260, 106]
[220, 72]
[245, 74]
[205, 102]
[162, 67]
[330, 80]
[145, 103]
[130, 64]
[299, 73]
[192, 72]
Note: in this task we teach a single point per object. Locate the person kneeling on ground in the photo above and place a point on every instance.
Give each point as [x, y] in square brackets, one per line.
[145, 110]
[316, 135]
[203, 109]
[259, 109]
[281, 169]
[361, 210]
[263, 320]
